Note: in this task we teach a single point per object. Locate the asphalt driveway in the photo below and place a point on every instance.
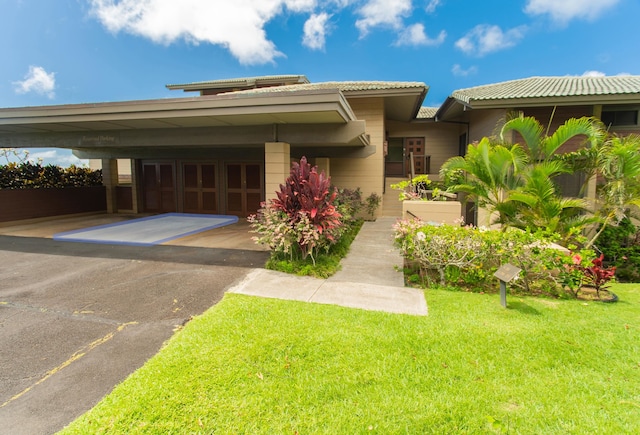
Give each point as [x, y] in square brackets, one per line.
[76, 319]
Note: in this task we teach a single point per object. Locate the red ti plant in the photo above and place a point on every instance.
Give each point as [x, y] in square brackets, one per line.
[307, 198]
[599, 275]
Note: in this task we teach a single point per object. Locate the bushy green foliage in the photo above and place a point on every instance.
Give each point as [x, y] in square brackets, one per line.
[302, 220]
[27, 175]
[620, 245]
[469, 256]
[348, 202]
[371, 203]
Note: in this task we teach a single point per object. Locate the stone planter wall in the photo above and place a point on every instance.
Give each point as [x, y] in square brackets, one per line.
[21, 204]
[442, 212]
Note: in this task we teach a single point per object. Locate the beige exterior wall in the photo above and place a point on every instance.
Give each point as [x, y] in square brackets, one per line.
[367, 173]
[124, 169]
[444, 212]
[483, 123]
[441, 139]
[547, 116]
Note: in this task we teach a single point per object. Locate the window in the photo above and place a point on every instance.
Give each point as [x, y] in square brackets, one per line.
[620, 117]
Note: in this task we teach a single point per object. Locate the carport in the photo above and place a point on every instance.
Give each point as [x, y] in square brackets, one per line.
[216, 154]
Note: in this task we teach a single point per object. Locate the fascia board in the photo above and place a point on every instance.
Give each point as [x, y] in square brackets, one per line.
[182, 107]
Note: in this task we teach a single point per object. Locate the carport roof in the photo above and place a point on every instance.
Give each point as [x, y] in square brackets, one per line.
[318, 106]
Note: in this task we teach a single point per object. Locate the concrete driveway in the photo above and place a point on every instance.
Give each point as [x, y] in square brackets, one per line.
[76, 319]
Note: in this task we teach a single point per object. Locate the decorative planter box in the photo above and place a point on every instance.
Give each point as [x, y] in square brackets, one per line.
[35, 203]
[442, 212]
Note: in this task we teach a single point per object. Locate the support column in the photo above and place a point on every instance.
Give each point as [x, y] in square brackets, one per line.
[135, 187]
[277, 166]
[323, 164]
[110, 181]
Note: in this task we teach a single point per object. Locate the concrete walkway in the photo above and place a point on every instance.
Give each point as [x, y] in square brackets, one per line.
[368, 279]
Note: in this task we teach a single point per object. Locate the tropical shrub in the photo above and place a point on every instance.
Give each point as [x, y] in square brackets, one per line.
[618, 195]
[348, 202]
[468, 257]
[421, 187]
[371, 203]
[620, 245]
[27, 175]
[516, 182]
[302, 219]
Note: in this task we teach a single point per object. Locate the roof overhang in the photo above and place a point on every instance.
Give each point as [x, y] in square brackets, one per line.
[453, 106]
[322, 118]
[401, 104]
[315, 107]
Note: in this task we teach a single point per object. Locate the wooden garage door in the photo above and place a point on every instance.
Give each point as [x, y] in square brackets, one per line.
[244, 188]
[200, 188]
[159, 188]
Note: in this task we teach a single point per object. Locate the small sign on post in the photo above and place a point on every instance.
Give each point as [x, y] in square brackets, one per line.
[506, 273]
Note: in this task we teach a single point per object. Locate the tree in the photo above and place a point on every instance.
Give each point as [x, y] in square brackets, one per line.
[619, 167]
[487, 173]
[517, 181]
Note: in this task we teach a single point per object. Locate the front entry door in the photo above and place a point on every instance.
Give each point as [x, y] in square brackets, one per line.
[244, 188]
[159, 187]
[415, 145]
[200, 188]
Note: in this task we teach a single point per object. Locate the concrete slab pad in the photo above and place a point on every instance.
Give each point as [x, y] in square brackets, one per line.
[278, 285]
[400, 300]
[364, 273]
[148, 231]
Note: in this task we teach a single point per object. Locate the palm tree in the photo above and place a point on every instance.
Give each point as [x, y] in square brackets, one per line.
[540, 206]
[517, 181]
[540, 146]
[487, 173]
[619, 166]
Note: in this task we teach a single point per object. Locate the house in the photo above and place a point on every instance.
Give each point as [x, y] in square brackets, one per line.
[229, 145]
[552, 101]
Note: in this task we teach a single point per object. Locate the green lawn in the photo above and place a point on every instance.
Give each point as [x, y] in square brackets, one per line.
[251, 365]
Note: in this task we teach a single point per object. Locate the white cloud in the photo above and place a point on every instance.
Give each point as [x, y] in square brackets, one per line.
[458, 71]
[593, 74]
[415, 35]
[315, 31]
[236, 25]
[563, 11]
[484, 39]
[432, 5]
[385, 13]
[37, 80]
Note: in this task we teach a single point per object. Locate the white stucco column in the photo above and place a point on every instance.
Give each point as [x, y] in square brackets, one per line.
[277, 166]
[110, 181]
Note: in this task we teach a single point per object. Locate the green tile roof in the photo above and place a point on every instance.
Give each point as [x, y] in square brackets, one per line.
[347, 86]
[550, 87]
[427, 112]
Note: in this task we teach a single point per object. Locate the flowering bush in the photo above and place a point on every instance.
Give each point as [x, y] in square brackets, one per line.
[469, 256]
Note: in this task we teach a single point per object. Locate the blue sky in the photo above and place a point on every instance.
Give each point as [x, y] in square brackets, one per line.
[78, 51]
